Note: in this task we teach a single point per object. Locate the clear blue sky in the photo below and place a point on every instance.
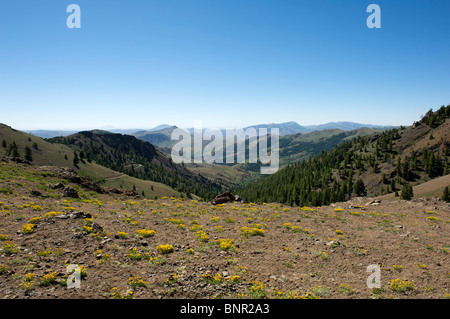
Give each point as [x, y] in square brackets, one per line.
[229, 63]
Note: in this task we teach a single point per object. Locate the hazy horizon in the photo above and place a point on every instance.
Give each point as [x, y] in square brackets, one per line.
[136, 129]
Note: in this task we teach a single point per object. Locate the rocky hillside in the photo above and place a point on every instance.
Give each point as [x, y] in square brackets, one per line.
[375, 165]
[122, 247]
[136, 158]
[25, 147]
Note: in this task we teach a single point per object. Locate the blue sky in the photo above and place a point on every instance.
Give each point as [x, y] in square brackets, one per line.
[229, 63]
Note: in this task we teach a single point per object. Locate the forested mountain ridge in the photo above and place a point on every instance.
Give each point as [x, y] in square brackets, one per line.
[297, 147]
[137, 158]
[22, 147]
[374, 165]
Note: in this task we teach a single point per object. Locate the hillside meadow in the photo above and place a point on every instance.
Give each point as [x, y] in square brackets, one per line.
[128, 247]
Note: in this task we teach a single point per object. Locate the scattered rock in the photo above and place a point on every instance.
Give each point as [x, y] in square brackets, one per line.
[80, 215]
[56, 186]
[77, 235]
[131, 193]
[35, 193]
[405, 235]
[71, 175]
[374, 202]
[387, 242]
[20, 160]
[97, 228]
[107, 240]
[70, 192]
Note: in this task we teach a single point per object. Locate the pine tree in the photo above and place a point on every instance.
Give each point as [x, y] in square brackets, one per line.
[359, 188]
[399, 167]
[446, 195]
[407, 192]
[76, 160]
[13, 150]
[15, 153]
[393, 189]
[430, 164]
[28, 154]
[406, 173]
[89, 157]
[350, 183]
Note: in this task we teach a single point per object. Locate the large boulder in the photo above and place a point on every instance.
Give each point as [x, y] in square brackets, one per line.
[224, 198]
[70, 192]
[35, 193]
[56, 186]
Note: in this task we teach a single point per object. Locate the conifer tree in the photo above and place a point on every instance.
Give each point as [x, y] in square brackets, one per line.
[13, 150]
[76, 160]
[28, 154]
[407, 192]
[446, 195]
[393, 189]
[359, 188]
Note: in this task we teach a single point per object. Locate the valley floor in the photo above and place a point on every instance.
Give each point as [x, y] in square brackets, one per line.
[175, 248]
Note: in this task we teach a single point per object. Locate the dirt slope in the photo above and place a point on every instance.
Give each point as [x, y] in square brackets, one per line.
[45, 153]
[274, 252]
[433, 188]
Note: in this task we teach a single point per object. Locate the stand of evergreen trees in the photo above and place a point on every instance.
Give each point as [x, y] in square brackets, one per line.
[136, 158]
[333, 176]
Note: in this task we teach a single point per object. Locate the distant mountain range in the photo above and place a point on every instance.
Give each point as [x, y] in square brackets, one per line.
[286, 128]
[160, 132]
[345, 126]
[50, 133]
[292, 127]
[56, 133]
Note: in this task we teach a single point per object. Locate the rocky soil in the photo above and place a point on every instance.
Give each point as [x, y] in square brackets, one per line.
[231, 250]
